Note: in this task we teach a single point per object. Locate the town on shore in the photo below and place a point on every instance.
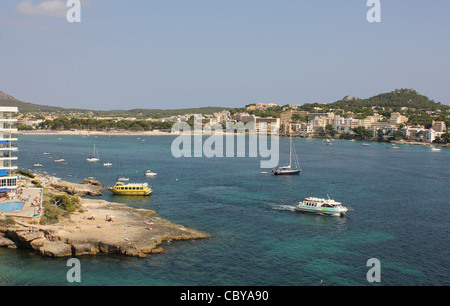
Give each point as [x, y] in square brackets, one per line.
[401, 115]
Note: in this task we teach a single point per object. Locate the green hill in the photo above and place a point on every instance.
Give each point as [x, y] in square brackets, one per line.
[30, 108]
[394, 99]
[24, 107]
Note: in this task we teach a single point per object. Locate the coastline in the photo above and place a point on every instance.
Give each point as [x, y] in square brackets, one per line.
[95, 133]
[99, 227]
[161, 133]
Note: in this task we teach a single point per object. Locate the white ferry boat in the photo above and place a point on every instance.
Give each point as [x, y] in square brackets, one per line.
[322, 206]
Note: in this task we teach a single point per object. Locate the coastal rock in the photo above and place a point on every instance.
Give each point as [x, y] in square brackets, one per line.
[5, 242]
[77, 189]
[56, 249]
[26, 237]
[37, 244]
[92, 182]
[85, 248]
[133, 232]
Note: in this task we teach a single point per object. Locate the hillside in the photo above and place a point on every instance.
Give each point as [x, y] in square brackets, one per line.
[395, 99]
[24, 107]
[30, 108]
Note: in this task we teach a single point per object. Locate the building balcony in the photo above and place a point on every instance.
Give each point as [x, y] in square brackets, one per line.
[12, 168]
[8, 130]
[8, 158]
[9, 120]
[12, 148]
[8, 138]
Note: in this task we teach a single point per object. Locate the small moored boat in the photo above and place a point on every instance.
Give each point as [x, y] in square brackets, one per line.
[150, 173]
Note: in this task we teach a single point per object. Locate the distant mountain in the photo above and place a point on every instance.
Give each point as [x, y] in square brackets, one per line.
[24, 107]
[394, 99]
[397, 98]
[27, 108]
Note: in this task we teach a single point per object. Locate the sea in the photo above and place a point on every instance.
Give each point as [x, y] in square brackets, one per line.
[400, 201]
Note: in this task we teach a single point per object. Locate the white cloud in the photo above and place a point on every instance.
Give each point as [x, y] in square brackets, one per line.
[47, 8]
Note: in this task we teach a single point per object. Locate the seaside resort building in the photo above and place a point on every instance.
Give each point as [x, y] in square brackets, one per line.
[8, 181]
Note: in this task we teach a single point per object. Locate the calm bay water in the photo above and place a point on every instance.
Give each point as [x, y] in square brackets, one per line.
[400, 198]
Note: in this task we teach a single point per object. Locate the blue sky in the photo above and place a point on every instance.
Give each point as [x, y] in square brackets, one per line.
[194, 53]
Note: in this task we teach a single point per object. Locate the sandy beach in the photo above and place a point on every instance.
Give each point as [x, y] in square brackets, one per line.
[94, 133]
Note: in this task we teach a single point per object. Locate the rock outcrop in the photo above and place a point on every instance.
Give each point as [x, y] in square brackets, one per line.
[103, 228]
[87, 188]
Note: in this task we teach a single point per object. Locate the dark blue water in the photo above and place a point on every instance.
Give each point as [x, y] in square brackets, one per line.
[400, 200]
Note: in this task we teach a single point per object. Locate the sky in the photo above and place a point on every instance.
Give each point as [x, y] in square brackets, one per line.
[170, 54]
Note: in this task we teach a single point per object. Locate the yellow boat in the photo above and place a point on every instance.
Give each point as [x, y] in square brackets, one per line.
[138, 189]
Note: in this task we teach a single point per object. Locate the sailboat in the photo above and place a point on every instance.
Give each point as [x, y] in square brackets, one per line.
[94, 158]
[123, 178]
[289, 170]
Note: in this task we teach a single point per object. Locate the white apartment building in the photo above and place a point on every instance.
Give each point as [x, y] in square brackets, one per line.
[8, 181]
[342, 124]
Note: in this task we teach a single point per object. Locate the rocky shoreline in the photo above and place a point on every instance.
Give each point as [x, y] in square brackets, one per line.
[100, 227]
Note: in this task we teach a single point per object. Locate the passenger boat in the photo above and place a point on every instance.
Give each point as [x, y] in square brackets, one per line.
[322, 206]
[293, 158]
[134, 189]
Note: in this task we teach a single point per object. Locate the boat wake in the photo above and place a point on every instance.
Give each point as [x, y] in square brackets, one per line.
[282, 207]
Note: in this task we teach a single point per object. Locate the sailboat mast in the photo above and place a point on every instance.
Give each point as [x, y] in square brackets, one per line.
[290, 147]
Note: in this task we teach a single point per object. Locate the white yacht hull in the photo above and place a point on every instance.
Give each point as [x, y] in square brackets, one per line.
[321, 211]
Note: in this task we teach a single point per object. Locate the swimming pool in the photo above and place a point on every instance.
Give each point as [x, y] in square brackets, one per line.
[11, 206]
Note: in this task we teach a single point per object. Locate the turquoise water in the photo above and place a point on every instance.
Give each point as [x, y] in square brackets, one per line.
[400, 200]
[11, 206]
